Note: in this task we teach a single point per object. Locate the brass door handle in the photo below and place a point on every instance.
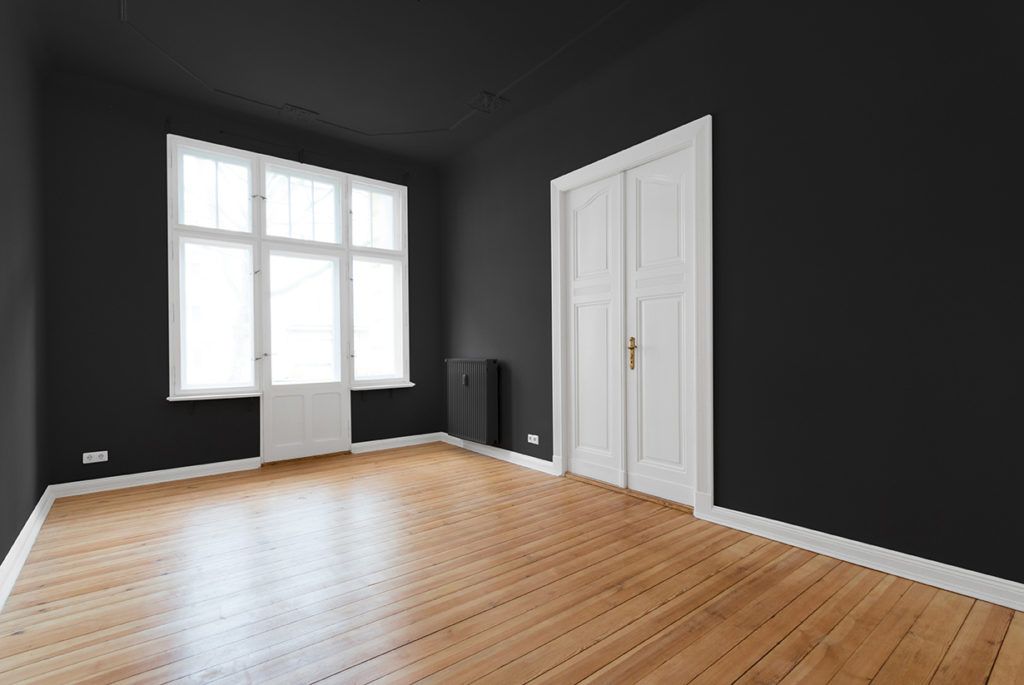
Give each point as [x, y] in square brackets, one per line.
[632, 352]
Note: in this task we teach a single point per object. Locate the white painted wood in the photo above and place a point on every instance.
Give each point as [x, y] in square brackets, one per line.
[704, 462]
[306, 419]
[559, 331]
[660, 315]
[85, 487]
[19, 551]
[594, 238]
[401, 254]
[177, 230]
[695, 138]
[403, 441]
[971, 583]
[221, 396]
[384, 386]
[542, 465]
[257, 237]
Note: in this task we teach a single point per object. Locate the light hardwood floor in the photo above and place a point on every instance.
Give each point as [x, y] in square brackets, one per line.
[434, 564]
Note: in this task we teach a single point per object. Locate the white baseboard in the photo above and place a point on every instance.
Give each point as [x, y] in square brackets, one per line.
[16, 556]
[526, 460]
[391, 443]
[85, 487]
[549, 467]
[971, 583]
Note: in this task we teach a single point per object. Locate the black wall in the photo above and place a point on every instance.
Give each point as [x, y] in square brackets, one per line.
[106, 283]
[20, 285]
[868, 233]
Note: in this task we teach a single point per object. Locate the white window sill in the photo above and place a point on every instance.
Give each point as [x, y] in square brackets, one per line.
[384, 386]
[228, 396]
[221, 396]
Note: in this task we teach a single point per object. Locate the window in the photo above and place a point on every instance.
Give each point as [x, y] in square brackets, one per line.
[254, 241]
[217, 331]
[379, 265]
[216, 190]
[373, 218]
[302, 206]
[306, 339]
[378, 314]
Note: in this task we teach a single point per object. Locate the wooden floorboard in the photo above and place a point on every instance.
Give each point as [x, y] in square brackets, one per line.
[433, 564]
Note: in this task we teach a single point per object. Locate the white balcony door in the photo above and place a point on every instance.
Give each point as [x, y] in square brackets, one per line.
[306, 390]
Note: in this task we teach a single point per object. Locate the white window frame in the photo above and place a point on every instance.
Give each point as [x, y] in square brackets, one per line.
[260, 242]
[400, 255]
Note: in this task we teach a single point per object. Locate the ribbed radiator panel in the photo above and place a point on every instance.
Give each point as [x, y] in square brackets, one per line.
[472, 388]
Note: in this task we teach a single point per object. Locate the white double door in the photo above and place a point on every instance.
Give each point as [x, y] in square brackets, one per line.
[305, 371]
[631, 293]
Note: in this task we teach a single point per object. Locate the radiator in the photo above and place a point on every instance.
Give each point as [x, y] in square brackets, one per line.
[472, 389]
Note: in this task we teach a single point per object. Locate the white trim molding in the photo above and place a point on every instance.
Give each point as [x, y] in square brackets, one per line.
[971, 583]
[131, 480]
[392, 443]
[552, 467]
[695, 135]
[18, 554]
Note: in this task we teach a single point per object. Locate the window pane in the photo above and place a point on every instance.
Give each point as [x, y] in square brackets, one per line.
[305, 319]
[378, 314]
[301, 207]
[374, 218]
[216, 292]
[215, 192]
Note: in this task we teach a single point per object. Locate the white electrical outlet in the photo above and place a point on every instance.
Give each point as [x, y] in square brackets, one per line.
[532, 439]
[94, 457]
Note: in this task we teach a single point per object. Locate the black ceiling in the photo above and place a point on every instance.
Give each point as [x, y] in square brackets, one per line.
[367, 71]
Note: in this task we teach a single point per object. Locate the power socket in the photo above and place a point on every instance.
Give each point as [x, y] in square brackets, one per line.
[532, 439]
[94, 457]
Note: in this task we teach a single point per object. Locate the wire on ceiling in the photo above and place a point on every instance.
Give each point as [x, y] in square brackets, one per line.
[485, 102]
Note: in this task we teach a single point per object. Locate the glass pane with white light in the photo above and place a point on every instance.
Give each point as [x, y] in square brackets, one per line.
[215, 191]
[303, 207]
[305, 319]
[375, 218]
[216, 295]
[378, 315]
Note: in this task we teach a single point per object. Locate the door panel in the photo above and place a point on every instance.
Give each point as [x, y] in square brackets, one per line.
[305, 399]
[326, 409]
[288, 420]
[594, 218]
[658, 226]
[592, 238]
[592, 377]
[660, 390]
[659, 380]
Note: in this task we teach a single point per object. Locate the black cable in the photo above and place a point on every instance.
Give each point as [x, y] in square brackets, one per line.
[465, 117]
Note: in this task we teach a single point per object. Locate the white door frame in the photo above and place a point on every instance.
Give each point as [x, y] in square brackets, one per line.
[696, 134]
